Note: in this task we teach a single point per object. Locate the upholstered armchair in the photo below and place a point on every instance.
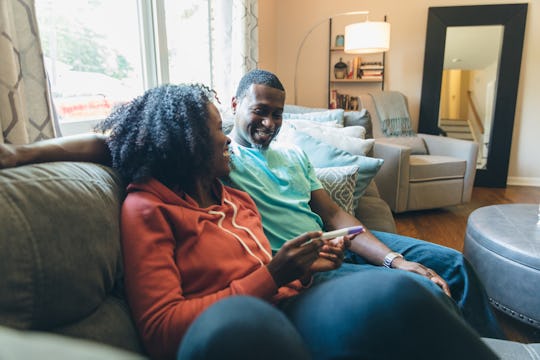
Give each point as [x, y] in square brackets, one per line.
[422, 171]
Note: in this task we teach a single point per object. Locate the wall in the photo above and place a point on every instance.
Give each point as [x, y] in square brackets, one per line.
[283, 24]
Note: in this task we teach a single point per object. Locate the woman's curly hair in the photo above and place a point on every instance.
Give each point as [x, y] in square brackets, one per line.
[162, 134]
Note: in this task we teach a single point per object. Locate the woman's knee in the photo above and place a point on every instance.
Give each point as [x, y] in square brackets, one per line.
[242, 327]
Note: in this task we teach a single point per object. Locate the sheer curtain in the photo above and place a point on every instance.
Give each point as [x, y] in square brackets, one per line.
[25, 107]
[235, 44]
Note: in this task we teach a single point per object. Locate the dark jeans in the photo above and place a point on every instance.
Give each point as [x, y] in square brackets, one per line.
[467, 290]
[370, 314]
[376, 314]
[242, 327]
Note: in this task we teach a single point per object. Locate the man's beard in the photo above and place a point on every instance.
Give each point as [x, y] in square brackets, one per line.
[264, 147]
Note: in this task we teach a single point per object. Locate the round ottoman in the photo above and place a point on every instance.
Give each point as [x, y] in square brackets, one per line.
[502, 242]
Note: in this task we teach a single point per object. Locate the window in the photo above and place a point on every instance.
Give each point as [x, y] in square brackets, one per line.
[101, 53]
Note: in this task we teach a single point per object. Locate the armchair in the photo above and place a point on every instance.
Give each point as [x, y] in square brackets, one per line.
[421, 172]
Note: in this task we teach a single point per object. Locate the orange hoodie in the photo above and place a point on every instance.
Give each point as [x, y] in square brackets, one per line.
[179, 259]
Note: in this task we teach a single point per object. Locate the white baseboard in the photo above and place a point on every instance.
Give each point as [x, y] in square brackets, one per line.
[523, 181]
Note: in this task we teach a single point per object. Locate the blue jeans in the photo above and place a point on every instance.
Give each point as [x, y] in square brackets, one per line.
[466, 288]
[242, 327]
[375, 314]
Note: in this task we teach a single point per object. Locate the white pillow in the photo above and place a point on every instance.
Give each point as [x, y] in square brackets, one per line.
[302, 123]
[352, 145]
[313, 127]
[349, 139]
[333, 116]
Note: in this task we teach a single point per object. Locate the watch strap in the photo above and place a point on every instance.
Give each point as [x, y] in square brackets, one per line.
[389, 258]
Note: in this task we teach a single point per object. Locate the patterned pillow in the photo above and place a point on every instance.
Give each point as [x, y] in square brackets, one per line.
[340, 183]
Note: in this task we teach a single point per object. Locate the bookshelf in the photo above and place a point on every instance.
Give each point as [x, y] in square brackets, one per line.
[365, 72]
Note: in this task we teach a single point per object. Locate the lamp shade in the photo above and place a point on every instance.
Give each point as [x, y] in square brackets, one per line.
[367, 37]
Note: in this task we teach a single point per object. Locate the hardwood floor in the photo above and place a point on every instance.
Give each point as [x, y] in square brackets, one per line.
[447, 227]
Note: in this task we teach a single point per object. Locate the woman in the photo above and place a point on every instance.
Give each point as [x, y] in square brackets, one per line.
[189, 242]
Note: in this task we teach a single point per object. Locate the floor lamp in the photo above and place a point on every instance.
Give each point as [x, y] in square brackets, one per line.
[366, 37]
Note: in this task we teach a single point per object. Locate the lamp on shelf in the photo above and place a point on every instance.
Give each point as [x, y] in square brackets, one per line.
[365, 37]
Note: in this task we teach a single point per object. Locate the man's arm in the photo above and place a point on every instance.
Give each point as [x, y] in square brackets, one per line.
[365, 244]
[87, 147]
[334, 217]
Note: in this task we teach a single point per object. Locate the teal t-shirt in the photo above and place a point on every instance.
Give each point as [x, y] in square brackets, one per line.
[280, 180]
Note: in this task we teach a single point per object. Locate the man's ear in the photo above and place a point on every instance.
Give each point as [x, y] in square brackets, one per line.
[234, 104]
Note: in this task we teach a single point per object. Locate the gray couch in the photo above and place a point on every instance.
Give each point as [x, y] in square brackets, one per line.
[61, 269]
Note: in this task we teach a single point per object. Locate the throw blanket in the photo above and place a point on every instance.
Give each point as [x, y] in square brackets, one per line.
[393, 114]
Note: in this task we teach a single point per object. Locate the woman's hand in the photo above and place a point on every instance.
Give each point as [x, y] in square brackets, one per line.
[295, 258]
[402, 264]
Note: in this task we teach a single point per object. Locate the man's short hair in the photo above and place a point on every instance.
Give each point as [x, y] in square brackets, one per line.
[260, 77]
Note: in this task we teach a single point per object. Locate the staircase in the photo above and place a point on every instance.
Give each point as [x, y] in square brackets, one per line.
[457, 129]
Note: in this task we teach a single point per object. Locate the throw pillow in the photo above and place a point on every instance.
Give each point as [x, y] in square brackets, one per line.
[299, 109]
[322, 154]
[339, 182]
[333, 116]
[313, 127]
[345, 138]
[359, 118]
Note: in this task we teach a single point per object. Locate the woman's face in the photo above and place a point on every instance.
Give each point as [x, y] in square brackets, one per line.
[220, 143]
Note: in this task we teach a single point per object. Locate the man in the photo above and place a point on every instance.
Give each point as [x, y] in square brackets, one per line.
[291, 200]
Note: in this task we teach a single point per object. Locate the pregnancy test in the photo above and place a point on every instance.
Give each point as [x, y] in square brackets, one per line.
[342, 232]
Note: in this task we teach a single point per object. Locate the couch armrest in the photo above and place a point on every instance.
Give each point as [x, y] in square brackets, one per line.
[461, 149]
[393, 178]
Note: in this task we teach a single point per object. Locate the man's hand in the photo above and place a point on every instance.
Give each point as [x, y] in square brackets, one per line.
[7, 156]
[331, 254]
[402, 264]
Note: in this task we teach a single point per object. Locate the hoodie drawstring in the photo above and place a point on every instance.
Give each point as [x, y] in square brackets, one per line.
[235, 211]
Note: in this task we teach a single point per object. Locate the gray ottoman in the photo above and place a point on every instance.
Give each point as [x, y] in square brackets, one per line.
[503, 244]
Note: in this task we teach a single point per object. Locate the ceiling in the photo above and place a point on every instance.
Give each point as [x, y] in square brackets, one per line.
[472, 47]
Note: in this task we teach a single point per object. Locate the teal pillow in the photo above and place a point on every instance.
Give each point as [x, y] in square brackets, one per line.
[323, 155]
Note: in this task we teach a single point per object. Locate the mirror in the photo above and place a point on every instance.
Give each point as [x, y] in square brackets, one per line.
[454, 78]
[471, 61]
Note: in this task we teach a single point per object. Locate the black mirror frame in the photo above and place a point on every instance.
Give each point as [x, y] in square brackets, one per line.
[513, 17]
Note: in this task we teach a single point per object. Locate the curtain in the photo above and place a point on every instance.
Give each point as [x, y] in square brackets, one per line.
[25, 105]
[234, 43]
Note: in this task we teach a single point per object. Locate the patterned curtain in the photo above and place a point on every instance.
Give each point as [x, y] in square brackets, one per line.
[25, 107]
[235, 44]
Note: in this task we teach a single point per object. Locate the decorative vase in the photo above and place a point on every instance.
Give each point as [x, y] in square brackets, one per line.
[340, 69]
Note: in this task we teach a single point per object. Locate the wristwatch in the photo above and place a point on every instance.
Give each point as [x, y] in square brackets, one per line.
[389, 258]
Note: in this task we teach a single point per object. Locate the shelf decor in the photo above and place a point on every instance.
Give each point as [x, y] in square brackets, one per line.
[340, 69]
[378, 34]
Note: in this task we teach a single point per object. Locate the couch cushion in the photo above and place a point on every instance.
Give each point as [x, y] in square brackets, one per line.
[38, 345]
[434, 167]
[416, 143]
[60, 234]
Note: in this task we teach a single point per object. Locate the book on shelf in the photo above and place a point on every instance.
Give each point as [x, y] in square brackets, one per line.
[343, 101]
[375, 65]
[372, 72]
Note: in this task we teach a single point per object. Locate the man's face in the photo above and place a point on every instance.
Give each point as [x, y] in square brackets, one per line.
[258, 116]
